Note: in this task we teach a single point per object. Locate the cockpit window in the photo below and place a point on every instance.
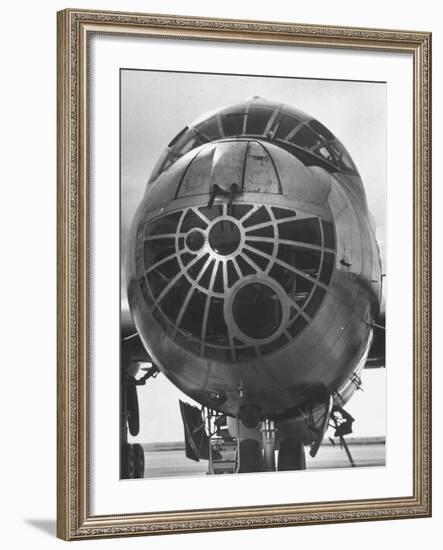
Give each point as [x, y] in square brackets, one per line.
[320, 129]
[285, 126]
[210, 129]
[342, 157]
[233, 124]
[257, 120]
[306, 138]
[178, 137]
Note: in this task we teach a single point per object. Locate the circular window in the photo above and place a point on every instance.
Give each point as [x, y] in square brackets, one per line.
[195, 240]
[257, 311]
[224, 237]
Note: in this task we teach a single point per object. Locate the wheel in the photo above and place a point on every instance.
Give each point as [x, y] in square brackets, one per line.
[128, 466]
[291, 455]
[132, 408]
[251, 458]
[139, 461]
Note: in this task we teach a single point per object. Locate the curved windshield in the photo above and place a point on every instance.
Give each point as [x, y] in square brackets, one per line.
[308, 139]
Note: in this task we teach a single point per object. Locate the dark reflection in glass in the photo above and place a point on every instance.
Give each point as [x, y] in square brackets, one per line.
[240, 210]
[178, 137]
[193, 316]
[165, 225]
[259, 261]
[257, 310]
[259, 216]
[206, 277]
[303, 259]
[267, 231]
[305, 230]
[192, 221]
[328, 234]
[328, 266]
[245, 268]
[298, 288]
[209, 128]
[212, 213]
[160, 277]
[173, 301]
[343, 159]
[232, 274]
[267, 248]
[195, 269]
[218, 283]
[297, 326]
[156, 250]
[186, 258]
[195, 240]
[304, 138]
[169, 269]
[224, 237]
[320, 129]
[315, 301]
[232, 124]
[282, 212]
[156, 282]
[256, 120]
[286, 125]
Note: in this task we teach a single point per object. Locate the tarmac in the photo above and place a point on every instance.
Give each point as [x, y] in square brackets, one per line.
[169, 460]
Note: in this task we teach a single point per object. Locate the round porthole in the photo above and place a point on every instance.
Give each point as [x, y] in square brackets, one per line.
[195, 240]
[224, 237]
[257, 310]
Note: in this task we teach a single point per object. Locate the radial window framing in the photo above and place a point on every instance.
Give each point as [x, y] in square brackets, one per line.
[190, 292]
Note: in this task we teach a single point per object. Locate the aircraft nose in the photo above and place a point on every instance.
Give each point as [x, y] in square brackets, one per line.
[237, 281]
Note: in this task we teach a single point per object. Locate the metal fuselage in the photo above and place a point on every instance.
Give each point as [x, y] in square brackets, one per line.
[260, 294]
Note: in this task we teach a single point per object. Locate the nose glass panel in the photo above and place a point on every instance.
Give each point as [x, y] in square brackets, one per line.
[224, 237]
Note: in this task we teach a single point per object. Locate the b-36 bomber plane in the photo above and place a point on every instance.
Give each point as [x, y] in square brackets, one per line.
[254, 285]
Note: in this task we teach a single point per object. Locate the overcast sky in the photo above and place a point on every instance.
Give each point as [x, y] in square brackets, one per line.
[155, 106]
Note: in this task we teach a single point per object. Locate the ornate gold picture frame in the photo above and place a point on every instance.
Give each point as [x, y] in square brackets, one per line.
[76, 516]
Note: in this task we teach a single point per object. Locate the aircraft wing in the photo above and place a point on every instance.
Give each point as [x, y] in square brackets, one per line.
[132, 348]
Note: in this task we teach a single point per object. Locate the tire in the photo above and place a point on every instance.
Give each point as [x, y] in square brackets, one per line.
[291, 455]
[251, 458]
[132, 408]
[139, 461]
[128, 461]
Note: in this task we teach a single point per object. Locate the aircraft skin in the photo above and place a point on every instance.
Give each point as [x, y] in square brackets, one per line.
[254, 276]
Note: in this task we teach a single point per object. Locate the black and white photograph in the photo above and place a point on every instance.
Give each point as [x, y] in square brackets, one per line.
[252, 274]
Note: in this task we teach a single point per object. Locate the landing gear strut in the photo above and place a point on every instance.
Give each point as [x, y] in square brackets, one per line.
[291, 455]
[132, 456]
[267, 428]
